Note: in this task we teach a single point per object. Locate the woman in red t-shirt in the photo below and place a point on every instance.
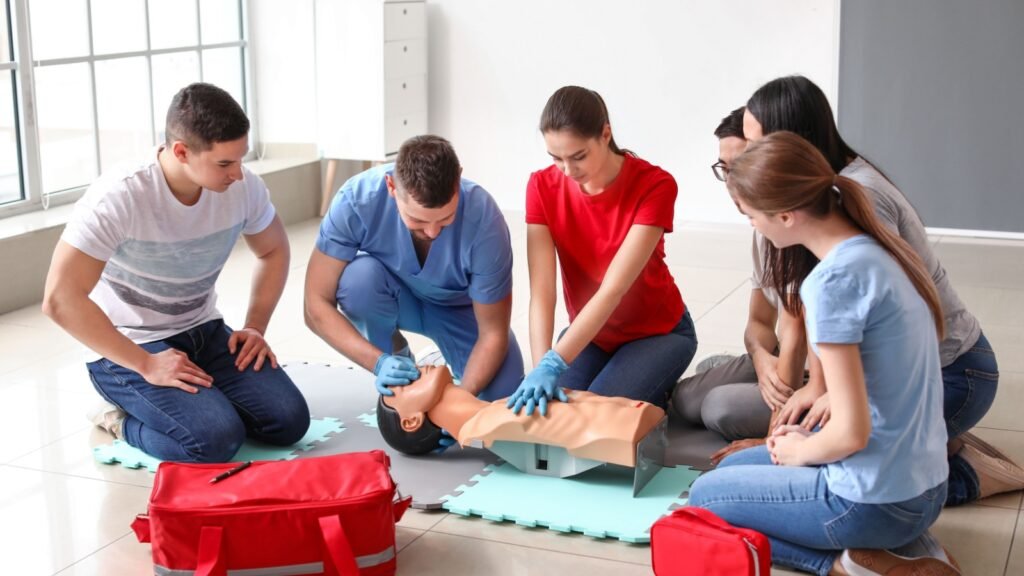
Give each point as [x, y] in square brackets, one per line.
[604, 212]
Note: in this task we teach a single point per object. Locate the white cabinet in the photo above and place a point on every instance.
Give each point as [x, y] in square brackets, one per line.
[371, 60]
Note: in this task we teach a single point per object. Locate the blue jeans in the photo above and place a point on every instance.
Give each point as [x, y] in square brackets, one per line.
[969, 384]
[644, 369]
[808, 525]
[377, 303]
[172, 424]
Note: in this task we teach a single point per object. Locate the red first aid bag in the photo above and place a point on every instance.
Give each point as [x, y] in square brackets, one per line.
[695, 542]
[333, 515]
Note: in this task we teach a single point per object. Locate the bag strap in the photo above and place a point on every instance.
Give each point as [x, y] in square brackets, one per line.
[706, 515]
[210, 558]
[338, 558]
[400, 506]
[141, 528]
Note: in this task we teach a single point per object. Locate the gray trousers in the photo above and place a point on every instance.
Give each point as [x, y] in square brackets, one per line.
[724, 399]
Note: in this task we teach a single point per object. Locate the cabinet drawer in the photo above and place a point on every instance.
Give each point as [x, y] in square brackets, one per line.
[405, 58]
[398, 129]
[405, 95]
[403, 20]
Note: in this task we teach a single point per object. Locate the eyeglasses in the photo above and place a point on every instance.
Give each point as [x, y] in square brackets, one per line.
[721, 170]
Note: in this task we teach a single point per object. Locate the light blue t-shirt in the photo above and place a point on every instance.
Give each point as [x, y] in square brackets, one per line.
[859, 294]
[470, 260]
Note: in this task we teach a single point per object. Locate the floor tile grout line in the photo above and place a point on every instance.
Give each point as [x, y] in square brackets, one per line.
[1009, 553]
[78, 476]
[94, 552]
[541, 548]
[723, 299]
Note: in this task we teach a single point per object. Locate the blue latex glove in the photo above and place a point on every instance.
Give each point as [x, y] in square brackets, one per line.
[540, 386]
[445, 442]
[394, 371]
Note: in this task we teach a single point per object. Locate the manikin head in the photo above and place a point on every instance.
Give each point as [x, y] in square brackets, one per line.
[402, 418]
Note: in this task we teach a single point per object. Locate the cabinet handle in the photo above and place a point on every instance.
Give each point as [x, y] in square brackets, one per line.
[405, 122]
[404, 11]
[405, 48]
[403, 85]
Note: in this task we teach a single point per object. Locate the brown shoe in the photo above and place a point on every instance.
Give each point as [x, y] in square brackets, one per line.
[995, 474]
[865, 562]
[970, 439]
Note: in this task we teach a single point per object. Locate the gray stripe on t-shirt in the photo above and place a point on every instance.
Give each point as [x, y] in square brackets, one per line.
[161, 287]
[129, 296]
[187, 259]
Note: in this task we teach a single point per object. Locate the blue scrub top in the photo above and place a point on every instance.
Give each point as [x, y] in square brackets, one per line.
[470, 260]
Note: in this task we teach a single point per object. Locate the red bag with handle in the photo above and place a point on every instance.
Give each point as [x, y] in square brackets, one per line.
[332, 515]
[693, 541]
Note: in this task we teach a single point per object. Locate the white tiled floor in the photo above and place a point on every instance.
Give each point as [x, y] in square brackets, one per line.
[62, 513]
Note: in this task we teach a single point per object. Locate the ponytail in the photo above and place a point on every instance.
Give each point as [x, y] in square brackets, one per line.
[855, 202]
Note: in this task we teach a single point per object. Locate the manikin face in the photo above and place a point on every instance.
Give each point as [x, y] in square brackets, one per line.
[412, 402]
[424, 223]
[579, 158]
[215, 169]
[752, 129]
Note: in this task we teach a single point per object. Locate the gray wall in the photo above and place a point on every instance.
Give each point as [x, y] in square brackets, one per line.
[932, 91]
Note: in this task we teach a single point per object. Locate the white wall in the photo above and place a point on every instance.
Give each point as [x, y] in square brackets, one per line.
[668, 70]
[281, 44]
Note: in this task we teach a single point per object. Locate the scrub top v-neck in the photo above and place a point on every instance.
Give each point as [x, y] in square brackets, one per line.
[470, 260]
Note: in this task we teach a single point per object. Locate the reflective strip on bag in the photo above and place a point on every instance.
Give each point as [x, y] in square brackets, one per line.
[364, 561]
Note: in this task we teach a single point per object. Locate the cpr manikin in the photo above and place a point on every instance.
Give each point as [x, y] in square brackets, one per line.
[589, 426]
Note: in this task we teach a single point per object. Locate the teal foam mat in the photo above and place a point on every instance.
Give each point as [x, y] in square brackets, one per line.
[320, 429]
[599, 503]
[369, 419]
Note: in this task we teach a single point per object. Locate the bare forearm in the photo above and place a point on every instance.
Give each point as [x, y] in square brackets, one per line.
[792, 357]
[829, 445]
[268, 281]
[759, 339]
[84, 320]
[542, 327]
[587, 324]
[485, 360]
[324, 319]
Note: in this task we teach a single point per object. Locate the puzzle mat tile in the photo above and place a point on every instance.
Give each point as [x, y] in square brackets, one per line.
[320, 430]
[599, 503]
[348, 394]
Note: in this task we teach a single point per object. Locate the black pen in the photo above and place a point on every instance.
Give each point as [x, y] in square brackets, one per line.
[231, 472]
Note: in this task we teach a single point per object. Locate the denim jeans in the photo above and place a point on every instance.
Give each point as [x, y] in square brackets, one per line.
[172, 424]
[377, 303]
[808, 525]
[970, 384]
[644, 369]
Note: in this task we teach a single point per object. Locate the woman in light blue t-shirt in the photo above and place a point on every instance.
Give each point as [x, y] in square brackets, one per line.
[874, 477]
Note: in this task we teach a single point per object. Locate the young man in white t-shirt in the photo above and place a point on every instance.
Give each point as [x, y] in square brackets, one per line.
[133, 279]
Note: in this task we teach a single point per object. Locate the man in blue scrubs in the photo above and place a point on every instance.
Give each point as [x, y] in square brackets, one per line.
[414, 246]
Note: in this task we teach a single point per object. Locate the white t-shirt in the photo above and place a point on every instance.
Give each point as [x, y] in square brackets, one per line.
[163, 258]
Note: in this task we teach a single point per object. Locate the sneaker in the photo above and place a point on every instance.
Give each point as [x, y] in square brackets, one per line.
[926, 545]
[995, 474]
[711, 360]
[865, 562]
[108, 417]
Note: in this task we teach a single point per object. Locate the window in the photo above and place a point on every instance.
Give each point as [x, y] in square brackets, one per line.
[85, 84]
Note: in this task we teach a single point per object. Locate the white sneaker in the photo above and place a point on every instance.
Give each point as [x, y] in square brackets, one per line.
[864, 562]
[430, 356]
[711, 360]
[108, 417]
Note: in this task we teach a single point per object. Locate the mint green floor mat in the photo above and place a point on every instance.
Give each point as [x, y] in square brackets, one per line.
[320, 429]
[598, 503]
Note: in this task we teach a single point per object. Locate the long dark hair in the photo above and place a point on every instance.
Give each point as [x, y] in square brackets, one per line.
[784, 172]
[579, 110]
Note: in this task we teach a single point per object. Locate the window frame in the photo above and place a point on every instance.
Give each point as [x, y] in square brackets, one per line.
[26, 119]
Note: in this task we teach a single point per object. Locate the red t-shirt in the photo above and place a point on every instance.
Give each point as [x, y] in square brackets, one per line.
[588, 231]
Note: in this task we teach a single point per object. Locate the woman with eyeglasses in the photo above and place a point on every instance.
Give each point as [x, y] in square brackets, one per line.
[604, 212]
[970, 373]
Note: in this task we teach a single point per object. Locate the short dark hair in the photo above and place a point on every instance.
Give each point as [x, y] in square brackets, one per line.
[415, 443]
[732, 125]
[428, 170]
[202, 114]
